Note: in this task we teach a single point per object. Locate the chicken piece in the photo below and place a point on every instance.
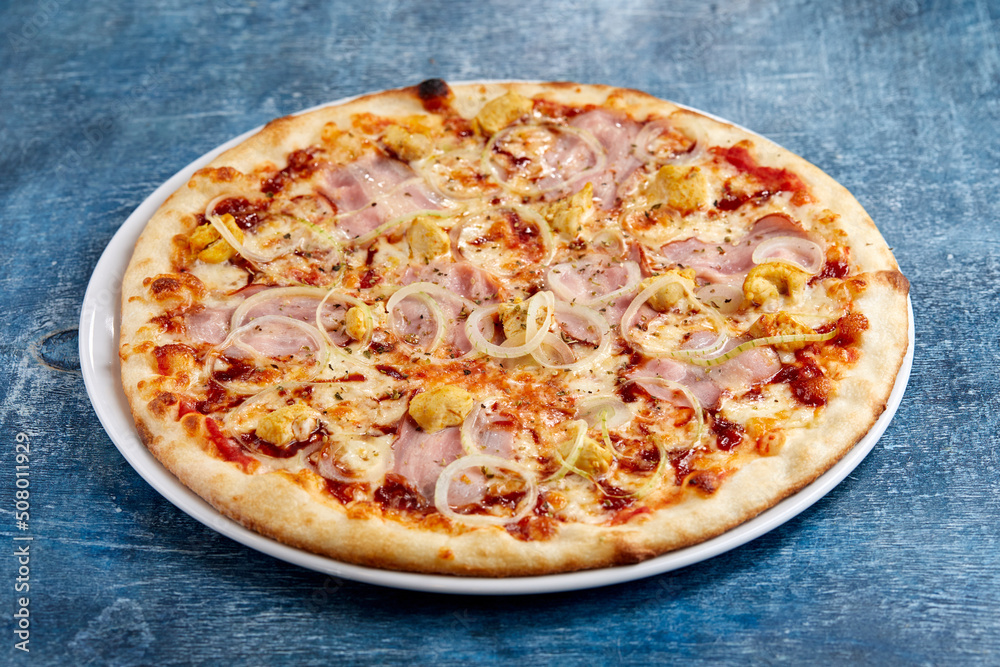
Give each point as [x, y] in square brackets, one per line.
[291, 423]
[440, 407]
[594, 458]
[770, 280]
[513, 316]
[567, 216]
[683, 189]
[500, 112]
[427, 240]
[780, 324]
[208, 244]
[406, 145]
[671, 292]
[355, 323]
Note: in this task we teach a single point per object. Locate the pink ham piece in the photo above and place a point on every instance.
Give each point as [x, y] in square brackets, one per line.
[566, 157]
[589, 283]
[490, 433]
[722, 262]
[616, 134]
[585, 282]
[374, 190]
[745, 370]
[420, 457]
[275, 337]
[692, 377]
[303, 307]
[209, 325]
[707, 384]
[461, 278]
[416, 323]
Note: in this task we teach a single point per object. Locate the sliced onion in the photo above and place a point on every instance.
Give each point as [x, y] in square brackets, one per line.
[611, 241]
[480, 343]
[698, 360]
[568, 464]
[295, 373]
[441, 183]
[239, 246]
[467, 434]
[427, 293]
[553, 352]
[699, 414]
[254, 258]
[366, 311]
[678, 121]
[322, 295]
[609, 410]
[600, 159]
[496, 268]
[327, 468]
[544, 231]
[725, 298]
[805, 254]
[654, 480]
[251, 302]
[553, 280]
[486, 461]
[365, 239]
[261, 399]
[598, 325]
[644, 296]
[415, 290]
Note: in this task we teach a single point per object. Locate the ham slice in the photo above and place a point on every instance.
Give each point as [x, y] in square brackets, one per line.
[724, 262]
[586, 282]
[374, 190]
[616, 134]
[461, 278]
[707, 384]
[303, 307]
[420, 457]
[692, 377]
[209, 325]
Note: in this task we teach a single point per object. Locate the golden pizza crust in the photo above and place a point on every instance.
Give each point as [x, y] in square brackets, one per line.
[296, 509]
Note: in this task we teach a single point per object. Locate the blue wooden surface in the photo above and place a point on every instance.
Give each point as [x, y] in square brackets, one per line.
[102, 101]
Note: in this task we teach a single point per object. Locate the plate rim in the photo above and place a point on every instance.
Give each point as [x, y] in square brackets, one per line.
[98, 346]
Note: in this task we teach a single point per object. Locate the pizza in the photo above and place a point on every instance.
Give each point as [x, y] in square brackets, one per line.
[506, 329]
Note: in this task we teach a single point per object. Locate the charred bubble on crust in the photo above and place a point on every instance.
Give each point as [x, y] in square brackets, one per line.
[174, 358]
[435, 95]
[162, 404]
[171, 286]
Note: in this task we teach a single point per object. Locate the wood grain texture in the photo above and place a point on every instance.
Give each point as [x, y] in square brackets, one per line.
[103, 101]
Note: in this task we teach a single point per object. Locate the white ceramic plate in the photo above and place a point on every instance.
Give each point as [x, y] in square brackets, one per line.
[99, 322]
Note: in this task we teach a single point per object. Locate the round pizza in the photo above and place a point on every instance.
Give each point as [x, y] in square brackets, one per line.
[506, 329]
